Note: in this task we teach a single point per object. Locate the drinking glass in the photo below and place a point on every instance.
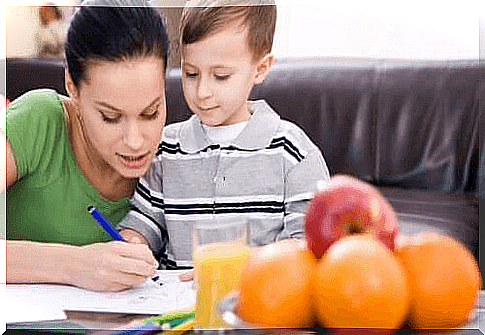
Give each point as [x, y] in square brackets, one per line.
[220, 254]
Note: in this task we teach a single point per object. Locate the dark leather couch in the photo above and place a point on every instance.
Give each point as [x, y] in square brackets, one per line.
[411, 128]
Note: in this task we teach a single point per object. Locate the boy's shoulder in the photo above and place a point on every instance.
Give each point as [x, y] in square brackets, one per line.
[294, 135]
[172, 131]
[285, 129]
[292, 129]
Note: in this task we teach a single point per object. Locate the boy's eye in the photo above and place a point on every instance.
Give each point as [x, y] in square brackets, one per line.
[222, 77]
[110, 118]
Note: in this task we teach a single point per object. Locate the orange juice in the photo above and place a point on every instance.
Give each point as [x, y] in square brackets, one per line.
[218, 268]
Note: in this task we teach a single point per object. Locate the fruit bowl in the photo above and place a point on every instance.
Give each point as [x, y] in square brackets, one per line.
[227, 308]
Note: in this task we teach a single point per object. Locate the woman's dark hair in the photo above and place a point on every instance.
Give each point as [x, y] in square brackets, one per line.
[113, 30]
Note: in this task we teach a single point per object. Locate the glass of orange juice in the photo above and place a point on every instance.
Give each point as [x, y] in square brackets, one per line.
[220, 253]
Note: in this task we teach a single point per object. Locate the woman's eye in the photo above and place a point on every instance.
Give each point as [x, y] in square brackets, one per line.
[190, 74]
[109, 119]
[153, 114]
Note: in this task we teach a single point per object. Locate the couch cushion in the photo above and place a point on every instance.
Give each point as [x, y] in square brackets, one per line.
[25, 74]
[427, 127]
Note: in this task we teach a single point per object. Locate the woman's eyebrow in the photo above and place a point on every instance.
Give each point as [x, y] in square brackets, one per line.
[106, 105]
[186, 65]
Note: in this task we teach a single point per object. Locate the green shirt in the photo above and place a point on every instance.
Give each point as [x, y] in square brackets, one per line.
[50, 199]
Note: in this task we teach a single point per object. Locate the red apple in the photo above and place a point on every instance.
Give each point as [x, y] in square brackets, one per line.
[347, 206]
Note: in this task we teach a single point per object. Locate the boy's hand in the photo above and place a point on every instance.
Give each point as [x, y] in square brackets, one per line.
[132, 236]
[187, 276]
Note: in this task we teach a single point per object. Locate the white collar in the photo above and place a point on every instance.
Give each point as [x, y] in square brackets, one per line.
[257, 133]
[224, 134]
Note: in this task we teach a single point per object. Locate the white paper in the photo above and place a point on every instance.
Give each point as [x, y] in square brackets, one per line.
[24, 306]
[165, 295]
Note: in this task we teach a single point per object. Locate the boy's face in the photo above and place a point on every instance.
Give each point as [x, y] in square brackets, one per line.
[218, 73]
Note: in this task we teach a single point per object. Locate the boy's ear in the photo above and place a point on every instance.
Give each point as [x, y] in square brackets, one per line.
[264, 66]
[71, 89]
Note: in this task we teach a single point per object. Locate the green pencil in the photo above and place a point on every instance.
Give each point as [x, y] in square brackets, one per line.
[169, 317]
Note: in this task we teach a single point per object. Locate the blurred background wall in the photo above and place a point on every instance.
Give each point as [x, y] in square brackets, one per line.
[22, 23]
[415, 29]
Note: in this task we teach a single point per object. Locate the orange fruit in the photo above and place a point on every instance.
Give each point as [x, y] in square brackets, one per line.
[360, 283]
[275, 286]
[444, 280]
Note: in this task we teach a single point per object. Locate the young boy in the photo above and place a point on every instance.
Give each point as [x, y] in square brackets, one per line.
[234, 157]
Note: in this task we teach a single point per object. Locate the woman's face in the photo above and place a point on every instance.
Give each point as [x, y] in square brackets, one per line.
[122, 110]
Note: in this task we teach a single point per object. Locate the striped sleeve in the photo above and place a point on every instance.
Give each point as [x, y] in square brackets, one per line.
[301, 183]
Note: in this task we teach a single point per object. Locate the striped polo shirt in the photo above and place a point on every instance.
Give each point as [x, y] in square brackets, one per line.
[267, 174]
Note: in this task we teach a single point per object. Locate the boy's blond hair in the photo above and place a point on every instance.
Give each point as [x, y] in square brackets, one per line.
[201, 18]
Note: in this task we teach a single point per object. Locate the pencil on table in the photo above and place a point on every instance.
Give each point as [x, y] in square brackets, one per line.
[182, 328]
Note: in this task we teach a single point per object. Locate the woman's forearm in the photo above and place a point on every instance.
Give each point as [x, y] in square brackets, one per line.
[110, 266]
[32, 262]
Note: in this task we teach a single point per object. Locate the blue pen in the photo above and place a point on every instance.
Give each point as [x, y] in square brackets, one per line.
[105, 224]
[110, 230]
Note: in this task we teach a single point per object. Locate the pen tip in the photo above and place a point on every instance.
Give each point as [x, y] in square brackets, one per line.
[90, 208]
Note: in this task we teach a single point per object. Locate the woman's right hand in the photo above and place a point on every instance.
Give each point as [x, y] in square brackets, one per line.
[112, 266]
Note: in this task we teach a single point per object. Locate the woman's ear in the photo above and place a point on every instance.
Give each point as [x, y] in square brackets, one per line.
[264, 66]
[71, 89]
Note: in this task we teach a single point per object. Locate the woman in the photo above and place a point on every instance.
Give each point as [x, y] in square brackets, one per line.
[67, 153]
